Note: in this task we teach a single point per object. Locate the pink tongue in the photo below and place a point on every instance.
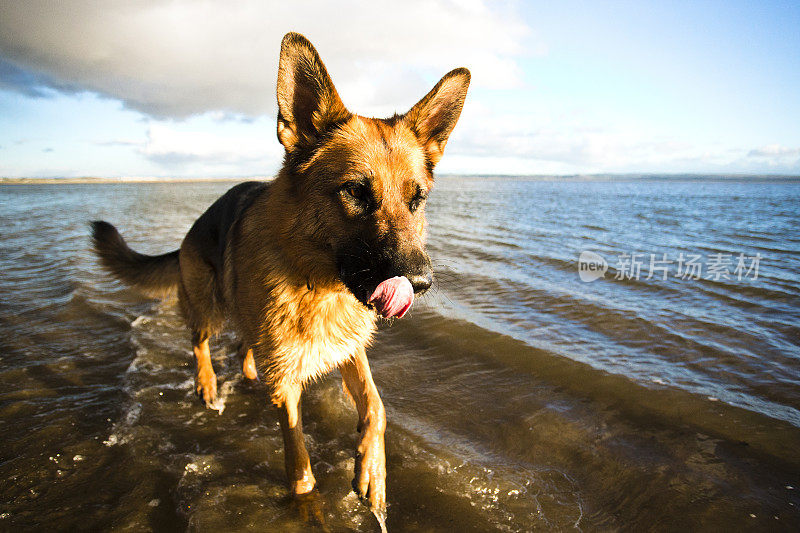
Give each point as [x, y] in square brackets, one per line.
[393, 297]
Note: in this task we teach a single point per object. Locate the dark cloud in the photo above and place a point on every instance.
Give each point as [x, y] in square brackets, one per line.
[28, 82]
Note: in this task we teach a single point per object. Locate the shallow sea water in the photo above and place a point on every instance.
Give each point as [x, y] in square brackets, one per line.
[519, 397]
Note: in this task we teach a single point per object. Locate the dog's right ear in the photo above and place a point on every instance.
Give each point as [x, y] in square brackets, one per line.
[307, 100]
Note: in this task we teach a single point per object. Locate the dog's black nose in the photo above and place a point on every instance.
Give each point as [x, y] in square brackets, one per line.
[421, 282]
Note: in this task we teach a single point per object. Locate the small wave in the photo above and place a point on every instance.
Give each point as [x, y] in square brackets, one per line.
[510, 492]
[121, 431]
[139, 321]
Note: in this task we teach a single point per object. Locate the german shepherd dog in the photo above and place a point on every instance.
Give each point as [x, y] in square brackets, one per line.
[302, 266]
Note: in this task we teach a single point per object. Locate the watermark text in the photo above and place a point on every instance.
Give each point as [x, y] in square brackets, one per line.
[661, 266]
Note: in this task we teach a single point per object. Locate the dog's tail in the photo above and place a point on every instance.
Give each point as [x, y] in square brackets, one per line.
[154, 275]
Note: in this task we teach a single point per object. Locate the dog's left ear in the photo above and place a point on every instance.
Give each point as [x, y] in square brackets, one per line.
[434, 117]
[307, 100]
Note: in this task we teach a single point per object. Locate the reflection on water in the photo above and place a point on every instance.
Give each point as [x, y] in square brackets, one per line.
[518, 396]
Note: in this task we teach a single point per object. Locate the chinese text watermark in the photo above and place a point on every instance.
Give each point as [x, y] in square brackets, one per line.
[714, 267]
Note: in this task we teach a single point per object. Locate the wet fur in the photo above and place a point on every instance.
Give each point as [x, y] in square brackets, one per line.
[290, 264]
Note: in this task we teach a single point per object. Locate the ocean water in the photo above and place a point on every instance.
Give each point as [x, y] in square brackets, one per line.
[661, 395]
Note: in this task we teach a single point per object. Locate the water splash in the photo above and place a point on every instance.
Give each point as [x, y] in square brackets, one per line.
[222, 395]
[380, 516]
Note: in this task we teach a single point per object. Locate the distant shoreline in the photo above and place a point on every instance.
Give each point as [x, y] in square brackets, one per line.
[535, 177]
[143, 179]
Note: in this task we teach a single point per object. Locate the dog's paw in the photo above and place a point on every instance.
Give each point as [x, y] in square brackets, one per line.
[311, 509]
[370, 480]
[205, 386]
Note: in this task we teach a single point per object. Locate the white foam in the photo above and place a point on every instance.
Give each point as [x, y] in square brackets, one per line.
[380, 516]
[222, 395]
[120, 429]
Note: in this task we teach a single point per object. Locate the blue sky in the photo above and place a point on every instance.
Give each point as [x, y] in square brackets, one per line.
[186, 89]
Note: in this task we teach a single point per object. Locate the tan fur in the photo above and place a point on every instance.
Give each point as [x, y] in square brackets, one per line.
[291, 264]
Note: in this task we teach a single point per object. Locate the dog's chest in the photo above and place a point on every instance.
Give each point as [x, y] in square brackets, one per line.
[314, 333]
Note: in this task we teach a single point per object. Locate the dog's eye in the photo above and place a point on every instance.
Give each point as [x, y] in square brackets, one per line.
[417, 201]
[356, 191]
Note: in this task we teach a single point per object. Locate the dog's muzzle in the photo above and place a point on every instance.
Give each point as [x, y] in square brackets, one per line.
[382, 277]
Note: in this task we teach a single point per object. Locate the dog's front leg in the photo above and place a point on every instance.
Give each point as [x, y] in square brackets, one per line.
[370, 480]
[298, 464]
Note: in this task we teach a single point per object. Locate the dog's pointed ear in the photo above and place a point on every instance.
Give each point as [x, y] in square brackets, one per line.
[434, 117]
[307, 100]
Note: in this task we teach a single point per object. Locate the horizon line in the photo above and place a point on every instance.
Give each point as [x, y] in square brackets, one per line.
[587, 177]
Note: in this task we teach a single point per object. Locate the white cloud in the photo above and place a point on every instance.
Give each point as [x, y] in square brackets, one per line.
[228, 148]
[543, 141]
[772, 158]
[175, 59]
[774, 151]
